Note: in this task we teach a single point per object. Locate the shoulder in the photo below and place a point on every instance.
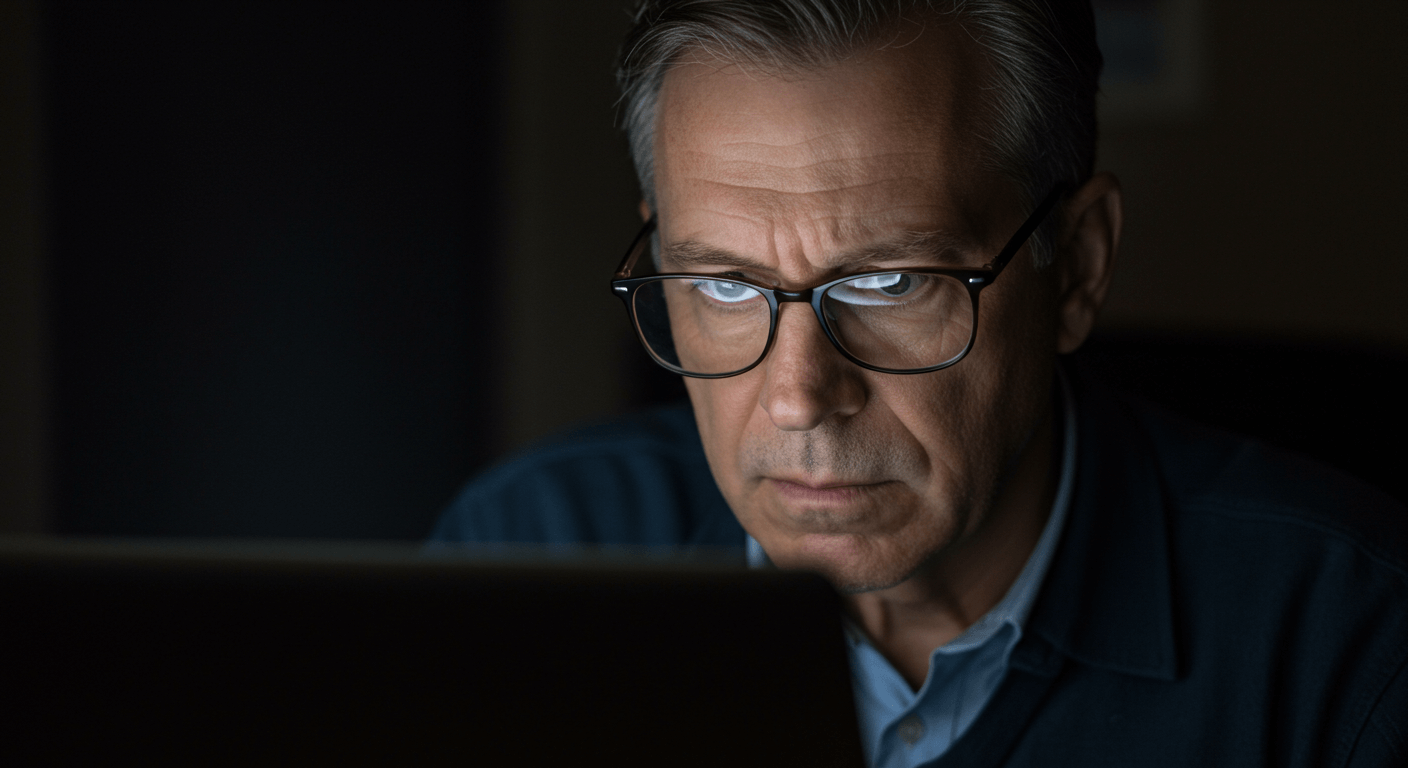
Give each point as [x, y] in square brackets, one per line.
[1300, 566]
[1280, 541]
[1213, 477]
[1287, 580]
[1249, 516]
[638, 479]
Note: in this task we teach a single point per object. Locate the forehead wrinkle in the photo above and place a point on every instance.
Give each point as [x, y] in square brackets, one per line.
[823, 192]
[829, 138]
[839, 146]
[753, 164]
[910, 247]
[754, 198]
[820, 110]
[805, 142]
[914, 247]
[878, 250]
[832, 174]
[689, 254]
[829, 220]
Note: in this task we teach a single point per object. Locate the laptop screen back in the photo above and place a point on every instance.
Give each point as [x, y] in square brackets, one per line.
[199, 656]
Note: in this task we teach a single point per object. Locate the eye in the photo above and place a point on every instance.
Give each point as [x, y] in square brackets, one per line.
[890, 285]
[721, 290]
[876, 289]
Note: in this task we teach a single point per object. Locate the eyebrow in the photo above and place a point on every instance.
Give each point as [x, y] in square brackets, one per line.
[937, 247]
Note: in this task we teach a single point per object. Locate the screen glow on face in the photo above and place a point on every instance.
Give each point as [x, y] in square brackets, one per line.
[871, 290]
[724, 291]
[877, 290]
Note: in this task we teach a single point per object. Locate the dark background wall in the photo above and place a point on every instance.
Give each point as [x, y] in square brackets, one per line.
[271, 263]
[1272, 206]
[280, 269]
[24, 402]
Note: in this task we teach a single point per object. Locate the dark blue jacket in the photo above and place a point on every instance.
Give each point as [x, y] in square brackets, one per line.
[1212, 601]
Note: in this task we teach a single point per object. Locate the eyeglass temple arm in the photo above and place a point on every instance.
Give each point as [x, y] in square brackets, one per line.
[1028, 227]
[628, 262]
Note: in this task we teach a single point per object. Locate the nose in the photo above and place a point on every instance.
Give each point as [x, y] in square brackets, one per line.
[807, 380]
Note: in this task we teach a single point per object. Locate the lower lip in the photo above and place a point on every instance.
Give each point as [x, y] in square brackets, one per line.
[836, 496]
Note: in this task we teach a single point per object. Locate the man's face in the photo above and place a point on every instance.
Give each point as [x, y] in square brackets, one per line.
[864, 476]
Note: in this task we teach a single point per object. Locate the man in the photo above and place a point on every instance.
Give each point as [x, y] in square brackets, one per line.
[871, 229]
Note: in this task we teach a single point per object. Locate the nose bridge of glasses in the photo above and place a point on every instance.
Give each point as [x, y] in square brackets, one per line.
[809, 334]
[804, 296]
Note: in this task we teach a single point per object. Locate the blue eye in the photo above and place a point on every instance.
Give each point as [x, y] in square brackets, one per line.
[876, 289]
[728, 293]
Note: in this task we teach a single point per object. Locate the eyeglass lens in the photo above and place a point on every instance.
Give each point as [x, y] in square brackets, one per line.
[895, 321]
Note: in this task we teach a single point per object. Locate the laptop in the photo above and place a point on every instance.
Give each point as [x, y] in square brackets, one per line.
[296, 655]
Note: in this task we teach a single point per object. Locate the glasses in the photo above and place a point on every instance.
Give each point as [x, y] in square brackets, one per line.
[911, 320]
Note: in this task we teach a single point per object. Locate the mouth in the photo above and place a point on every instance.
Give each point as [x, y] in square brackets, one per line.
[829, 494]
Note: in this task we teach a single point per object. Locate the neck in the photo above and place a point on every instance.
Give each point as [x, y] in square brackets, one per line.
[955, 588]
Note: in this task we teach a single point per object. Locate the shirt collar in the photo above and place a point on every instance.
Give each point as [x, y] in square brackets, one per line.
[1107, 601]
[1016, 605]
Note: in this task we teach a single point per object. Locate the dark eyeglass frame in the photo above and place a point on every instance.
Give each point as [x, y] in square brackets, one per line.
[975, 280]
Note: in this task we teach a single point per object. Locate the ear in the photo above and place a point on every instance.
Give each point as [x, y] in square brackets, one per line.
[1086, 246]
[644, 211]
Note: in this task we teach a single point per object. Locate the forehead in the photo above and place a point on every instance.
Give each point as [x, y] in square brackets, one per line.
[882, 141]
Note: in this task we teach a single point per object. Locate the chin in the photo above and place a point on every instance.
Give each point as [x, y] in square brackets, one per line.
[856, 583]
[850, 565]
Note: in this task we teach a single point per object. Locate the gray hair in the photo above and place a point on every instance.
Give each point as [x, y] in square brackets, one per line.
[1046, 68]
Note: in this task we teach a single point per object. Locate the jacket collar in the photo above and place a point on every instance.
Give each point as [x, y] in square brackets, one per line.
[1107, 600]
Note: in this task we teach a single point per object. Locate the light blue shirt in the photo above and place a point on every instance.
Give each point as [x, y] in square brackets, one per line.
[900, 727]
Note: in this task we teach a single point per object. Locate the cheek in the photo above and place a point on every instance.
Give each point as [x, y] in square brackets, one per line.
[945, 418]
[968, 419]
[1021, 317]
[722, 411]
[1013, 361]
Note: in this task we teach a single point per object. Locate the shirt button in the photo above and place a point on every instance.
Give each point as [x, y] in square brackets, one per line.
[911, 730]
